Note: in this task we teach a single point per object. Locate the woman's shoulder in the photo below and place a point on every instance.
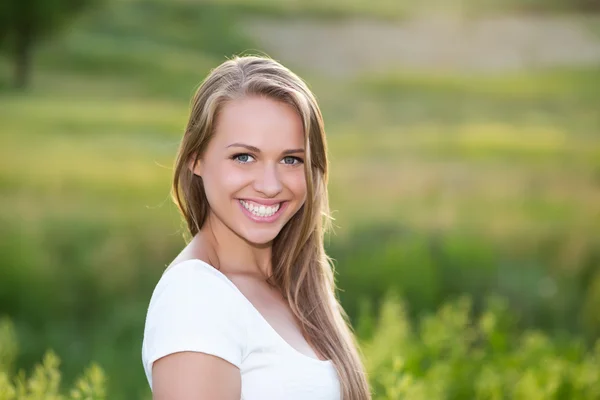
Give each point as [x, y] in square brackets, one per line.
[193, 309]
[194, 283]
[191, 272]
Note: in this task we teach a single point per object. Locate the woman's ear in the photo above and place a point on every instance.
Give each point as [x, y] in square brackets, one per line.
[195, 165]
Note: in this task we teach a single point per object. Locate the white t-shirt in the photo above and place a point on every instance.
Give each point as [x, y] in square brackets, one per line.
[195, 307]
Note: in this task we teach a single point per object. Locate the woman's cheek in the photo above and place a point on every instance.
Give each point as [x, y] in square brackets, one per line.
[298, 185]
[233, 177]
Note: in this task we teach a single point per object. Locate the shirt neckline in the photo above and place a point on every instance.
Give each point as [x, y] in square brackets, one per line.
[288, 346]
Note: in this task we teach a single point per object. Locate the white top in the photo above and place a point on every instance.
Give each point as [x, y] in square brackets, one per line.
[195, 307]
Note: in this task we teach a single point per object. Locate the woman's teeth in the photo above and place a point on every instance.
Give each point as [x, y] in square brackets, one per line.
[260, 210]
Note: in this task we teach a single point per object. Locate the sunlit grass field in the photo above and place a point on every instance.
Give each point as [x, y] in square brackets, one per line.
[439, 184]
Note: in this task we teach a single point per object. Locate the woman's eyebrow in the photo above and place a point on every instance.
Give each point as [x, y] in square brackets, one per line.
[246, 146]
[257, 150]
[293, 151]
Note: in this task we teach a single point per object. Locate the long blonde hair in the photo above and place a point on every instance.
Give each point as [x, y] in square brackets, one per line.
[302, 271]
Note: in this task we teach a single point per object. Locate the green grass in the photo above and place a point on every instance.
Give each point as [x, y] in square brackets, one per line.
[395, 10]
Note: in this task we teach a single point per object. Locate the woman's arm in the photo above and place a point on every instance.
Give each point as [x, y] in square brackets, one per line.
[189, 375]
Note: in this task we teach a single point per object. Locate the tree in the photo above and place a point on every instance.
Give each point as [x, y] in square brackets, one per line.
[23, 23]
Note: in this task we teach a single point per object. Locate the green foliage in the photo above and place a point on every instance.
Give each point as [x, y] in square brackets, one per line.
[451, 354]
[39, 16]
[24, 23]
[429, 267]
[455, 354]
[44, 383]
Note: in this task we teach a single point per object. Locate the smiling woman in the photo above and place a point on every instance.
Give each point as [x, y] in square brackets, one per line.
[248, 308]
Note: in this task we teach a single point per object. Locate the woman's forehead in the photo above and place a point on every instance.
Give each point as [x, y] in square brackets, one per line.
[259, 121]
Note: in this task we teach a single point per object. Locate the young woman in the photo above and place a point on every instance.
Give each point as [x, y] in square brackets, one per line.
[248, 309]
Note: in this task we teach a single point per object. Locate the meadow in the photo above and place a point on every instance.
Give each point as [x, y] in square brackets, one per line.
[442, 185]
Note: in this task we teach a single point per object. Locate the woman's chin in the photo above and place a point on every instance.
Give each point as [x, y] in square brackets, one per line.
[260, 240]
[259, 237]
[258, 234]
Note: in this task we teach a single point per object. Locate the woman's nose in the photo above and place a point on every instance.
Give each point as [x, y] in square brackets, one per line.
[268, 181]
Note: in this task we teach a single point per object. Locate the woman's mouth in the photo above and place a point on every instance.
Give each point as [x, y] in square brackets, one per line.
[260, 212]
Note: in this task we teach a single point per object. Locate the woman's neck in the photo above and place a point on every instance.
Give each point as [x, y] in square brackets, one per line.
[229, 252]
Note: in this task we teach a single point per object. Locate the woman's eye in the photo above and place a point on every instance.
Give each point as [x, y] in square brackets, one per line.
[292, 160]
[242, 158]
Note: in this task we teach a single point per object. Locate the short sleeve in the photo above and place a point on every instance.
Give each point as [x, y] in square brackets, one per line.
[192, 309]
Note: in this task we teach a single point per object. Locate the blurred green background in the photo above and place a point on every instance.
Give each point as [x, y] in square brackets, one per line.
[465, 161]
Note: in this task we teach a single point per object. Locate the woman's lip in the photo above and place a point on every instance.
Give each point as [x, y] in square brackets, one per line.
[263, 202]
[270, 218]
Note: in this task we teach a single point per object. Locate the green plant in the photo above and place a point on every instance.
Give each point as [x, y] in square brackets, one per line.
[456, 355]
[44, 383]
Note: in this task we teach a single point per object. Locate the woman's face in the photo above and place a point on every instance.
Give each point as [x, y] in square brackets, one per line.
[252, 168]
